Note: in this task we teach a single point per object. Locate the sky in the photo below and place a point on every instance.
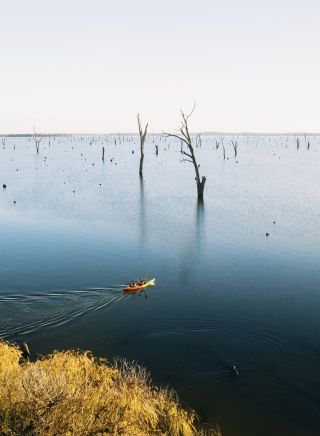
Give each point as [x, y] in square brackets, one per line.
[90, 66]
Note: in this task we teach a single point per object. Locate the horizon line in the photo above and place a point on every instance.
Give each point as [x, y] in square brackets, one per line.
[213, 133]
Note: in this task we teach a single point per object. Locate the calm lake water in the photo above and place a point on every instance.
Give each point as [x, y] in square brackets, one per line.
[226, 293]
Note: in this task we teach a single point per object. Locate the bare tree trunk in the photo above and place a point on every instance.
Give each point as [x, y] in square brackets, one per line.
[235, 147]
[224, 152]
[36, 140]
[142, 141]
[189, 156]
[198, 140]
[200, 187]
[141, 164]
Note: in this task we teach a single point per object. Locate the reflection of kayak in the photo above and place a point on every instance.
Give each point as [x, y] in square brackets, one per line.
[138, 288]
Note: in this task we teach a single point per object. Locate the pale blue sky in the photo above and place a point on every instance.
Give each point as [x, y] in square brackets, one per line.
[90, 66]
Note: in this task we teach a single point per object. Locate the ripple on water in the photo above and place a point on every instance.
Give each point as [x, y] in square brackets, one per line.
[22, 314]
[209, 349]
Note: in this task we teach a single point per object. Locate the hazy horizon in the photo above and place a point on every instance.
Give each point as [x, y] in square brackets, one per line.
[213, 133]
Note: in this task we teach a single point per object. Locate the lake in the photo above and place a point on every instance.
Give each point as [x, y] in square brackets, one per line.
[75, 230]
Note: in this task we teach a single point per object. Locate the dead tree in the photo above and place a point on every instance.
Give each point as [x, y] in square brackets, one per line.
[235, 147]
[189, 156]
[198, 141]
[36, 139]
[143, 136]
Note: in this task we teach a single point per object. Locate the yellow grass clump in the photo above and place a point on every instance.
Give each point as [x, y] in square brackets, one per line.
[73, 393]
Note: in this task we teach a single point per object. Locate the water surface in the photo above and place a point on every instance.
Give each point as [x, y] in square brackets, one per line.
[226, 293]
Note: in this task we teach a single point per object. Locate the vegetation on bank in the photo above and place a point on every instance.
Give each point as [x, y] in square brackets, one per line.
[74, 393]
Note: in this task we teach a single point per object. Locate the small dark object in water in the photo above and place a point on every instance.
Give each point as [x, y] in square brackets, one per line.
[274, 222]
[4, 186]
[14, 202]
[267, 234]
[132, 151]
[235, 370]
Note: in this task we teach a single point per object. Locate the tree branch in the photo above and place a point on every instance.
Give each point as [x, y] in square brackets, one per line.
[168, 135]
[186, 154]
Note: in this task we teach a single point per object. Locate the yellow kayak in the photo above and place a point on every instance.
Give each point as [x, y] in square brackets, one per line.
[139, 287]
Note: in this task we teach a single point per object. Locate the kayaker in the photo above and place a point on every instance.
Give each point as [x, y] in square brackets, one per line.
[132, 284]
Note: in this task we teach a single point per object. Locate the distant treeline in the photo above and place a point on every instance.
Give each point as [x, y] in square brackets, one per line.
[23, 135]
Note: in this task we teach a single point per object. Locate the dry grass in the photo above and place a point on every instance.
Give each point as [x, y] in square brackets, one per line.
[73, 393]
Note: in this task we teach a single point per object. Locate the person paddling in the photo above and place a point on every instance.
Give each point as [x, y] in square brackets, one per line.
[142, 281]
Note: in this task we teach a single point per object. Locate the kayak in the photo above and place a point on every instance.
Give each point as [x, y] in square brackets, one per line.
[138, 288]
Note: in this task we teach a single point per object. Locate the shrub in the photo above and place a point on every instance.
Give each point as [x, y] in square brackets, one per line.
[73, 393]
